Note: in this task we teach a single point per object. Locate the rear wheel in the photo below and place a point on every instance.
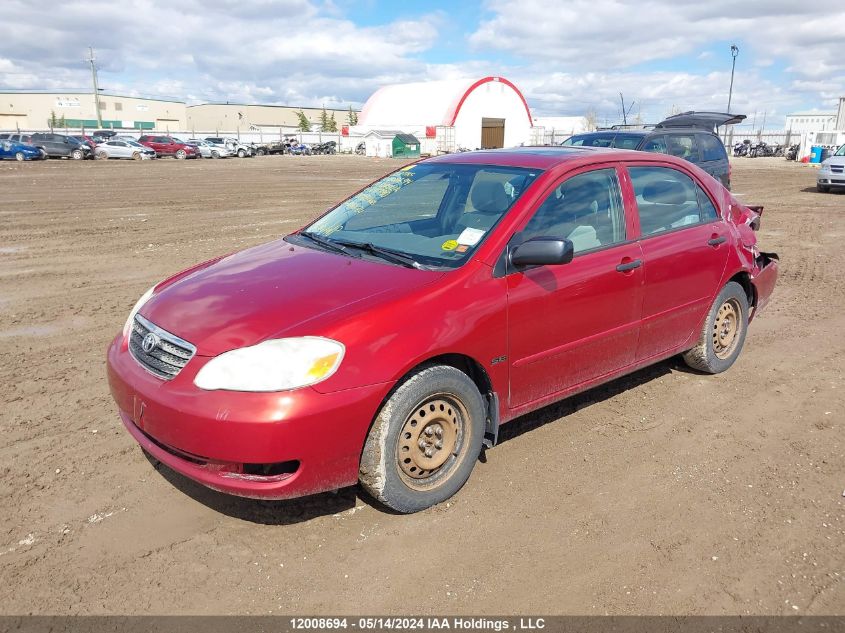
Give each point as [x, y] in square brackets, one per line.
[723, 334]
[425, 440]
[19, 156]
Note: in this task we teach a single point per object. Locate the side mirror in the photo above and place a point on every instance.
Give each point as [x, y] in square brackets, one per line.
[542, 251]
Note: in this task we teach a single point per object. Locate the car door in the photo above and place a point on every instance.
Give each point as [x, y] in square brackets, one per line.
[684, 251]
[570, 323]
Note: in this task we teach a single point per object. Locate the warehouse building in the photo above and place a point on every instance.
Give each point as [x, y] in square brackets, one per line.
[451, 114]
[21, 110]
[233, 117]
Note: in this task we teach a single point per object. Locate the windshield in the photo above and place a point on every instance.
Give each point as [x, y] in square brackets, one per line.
[435, 213]
[840, 151]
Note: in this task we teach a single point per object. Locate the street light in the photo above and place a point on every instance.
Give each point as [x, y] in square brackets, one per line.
[734, 53]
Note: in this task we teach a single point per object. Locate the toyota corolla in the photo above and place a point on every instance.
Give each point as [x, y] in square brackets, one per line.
[386, 342]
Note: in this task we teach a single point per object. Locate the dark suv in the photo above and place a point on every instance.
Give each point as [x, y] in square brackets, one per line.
[690, 135]
[61, 146]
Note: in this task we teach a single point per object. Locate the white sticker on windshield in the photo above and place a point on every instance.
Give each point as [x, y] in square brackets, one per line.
[470, 237]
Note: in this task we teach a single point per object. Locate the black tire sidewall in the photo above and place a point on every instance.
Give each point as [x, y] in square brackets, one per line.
[732, 290]
[437, 379]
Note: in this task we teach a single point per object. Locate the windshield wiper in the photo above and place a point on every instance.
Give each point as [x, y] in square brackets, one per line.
[385, 253]
[324, 242]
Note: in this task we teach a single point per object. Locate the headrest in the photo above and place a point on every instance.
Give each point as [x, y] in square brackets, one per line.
[665, 192]
[489, 196]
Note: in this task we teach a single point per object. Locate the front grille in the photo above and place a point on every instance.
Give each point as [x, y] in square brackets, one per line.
[169, 354]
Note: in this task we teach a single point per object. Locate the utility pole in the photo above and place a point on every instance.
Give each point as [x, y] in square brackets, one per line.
[734, 53]
[91, 59]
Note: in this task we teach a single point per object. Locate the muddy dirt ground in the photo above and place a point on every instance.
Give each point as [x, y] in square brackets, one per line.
[666, 492]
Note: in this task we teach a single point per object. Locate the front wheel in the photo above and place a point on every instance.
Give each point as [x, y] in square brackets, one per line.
[425, 440]
[822, 188]
[215, 154]
[136, 156]
[723, 334]
[241, 153]
[181, 154]
[101, 155]
[77, 154]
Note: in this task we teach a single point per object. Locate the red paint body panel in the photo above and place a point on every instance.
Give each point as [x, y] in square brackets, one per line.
[538, 335]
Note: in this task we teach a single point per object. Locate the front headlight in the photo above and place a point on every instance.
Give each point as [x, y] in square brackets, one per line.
[127, 328]
[274, 365]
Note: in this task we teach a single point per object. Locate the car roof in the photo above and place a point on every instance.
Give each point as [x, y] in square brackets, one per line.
[547, 157]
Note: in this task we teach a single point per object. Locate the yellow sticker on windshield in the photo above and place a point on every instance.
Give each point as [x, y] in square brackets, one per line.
[449, 245]
[408, 167]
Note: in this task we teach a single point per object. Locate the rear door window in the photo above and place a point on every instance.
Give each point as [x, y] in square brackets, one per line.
[711, 148]
[668, 199]
[627, 141]
[682, 146]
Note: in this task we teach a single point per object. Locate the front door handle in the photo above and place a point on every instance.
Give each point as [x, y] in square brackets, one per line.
[716, 240]
[631, 265]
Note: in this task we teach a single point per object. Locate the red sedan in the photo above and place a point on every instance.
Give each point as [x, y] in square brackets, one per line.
[387, 341]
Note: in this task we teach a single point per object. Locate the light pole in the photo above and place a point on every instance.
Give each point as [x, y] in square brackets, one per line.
[734, 53]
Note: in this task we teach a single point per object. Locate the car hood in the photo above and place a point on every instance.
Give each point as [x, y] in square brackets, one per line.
[261, 292]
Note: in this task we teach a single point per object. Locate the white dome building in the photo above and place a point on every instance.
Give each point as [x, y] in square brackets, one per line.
[451, 114]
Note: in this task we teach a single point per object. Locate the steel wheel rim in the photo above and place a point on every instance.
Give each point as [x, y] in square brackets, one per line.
[726, 328]
[431, 440]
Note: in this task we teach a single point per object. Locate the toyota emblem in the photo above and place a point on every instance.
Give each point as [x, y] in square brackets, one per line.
[150, 342]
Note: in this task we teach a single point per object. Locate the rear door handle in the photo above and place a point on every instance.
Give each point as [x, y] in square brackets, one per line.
[625, 267]
[715, 241]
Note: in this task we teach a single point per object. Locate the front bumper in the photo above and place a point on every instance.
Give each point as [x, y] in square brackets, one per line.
[260, 445]
[830, 179]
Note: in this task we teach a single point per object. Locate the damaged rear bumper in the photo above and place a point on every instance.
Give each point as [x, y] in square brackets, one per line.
[764, 276]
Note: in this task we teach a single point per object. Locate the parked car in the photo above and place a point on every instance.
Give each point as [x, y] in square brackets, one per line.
[209, 150]
[61, 146]
[20, 151]
[831, 174]
[26, 139]
[88, 140]
[387, 341]
[169, 146]
[105, 134]
[240, 150]
[690, 135]
[123, 148]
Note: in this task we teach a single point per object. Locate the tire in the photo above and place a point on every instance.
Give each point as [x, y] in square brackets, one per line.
[181, 154]
[77, 154]
[723, 334]
[437, 407]
[101, 155]
[259, 152]
[822, 188]
[241, 153]
[19, 157]
[136, 156]
[215, 154]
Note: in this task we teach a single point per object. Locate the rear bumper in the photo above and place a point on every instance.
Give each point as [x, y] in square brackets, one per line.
[764, 279]
[259, 445]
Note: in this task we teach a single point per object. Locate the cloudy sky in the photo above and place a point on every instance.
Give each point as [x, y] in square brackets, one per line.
[568, 56]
